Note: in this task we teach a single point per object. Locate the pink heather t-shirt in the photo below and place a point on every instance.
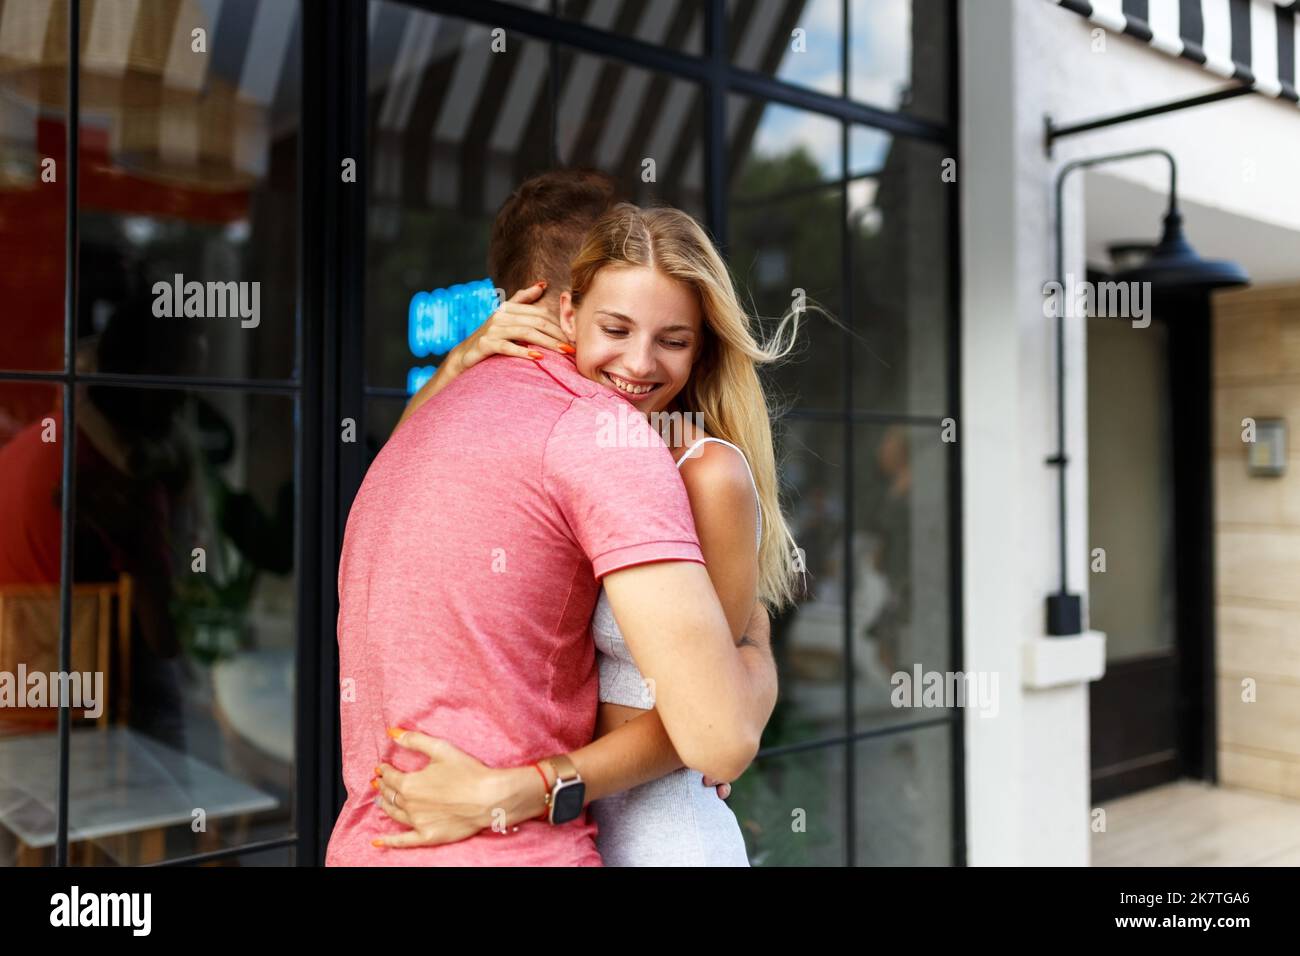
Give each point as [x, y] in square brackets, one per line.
[467, 583]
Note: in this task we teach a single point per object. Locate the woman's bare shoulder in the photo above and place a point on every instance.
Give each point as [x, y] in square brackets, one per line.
[719, 473]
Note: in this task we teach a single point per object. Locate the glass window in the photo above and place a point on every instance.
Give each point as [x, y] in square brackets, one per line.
[183, 592]
[188, 186]
[33, 185]
[776, 147]
[903, 798]
[899, 55]
[644, 129]
[675, 24]
[185, 519]
[798, 42]
[900, 566]
[781, 251]
[280, 856]
[808, 639]
[382, 415]
[31, 527]
[453, 129]
[899, 216]
[785, 239]
[791, 808]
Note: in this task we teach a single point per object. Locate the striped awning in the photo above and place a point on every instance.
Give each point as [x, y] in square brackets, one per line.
[1253, 41]
[164, 112]
[453, 125]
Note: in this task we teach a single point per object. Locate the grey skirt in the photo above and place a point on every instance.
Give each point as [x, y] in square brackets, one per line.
[672, 821]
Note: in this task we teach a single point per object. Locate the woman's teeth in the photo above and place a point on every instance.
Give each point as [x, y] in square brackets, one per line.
[629, 388]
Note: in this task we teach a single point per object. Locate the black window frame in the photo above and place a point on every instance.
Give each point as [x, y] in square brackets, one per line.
[330, 385]
[718, 78]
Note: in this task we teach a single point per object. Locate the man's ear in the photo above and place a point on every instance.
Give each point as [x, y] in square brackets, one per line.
[568, 320]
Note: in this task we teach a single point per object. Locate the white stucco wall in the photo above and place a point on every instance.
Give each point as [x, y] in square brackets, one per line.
[1027, 770]
[1239, 155]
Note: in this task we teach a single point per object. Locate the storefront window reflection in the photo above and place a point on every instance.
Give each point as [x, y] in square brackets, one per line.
[190, 420]
[182, 592]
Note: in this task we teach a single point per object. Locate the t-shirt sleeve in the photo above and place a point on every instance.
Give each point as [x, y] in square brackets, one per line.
[616, 485]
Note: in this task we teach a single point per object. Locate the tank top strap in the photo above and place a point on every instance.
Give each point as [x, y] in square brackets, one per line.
[690, 451]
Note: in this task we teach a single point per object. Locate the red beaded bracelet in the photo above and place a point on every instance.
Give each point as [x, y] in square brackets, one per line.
[545, 784]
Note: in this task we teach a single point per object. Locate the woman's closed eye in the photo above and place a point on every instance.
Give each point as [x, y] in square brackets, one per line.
[618, 333]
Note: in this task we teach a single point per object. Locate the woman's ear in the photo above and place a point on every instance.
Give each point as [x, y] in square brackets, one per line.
[568, 320]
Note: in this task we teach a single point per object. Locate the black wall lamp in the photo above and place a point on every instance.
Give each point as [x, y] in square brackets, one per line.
[1172, 266]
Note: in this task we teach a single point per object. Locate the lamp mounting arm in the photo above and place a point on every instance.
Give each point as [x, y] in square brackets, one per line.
[1064, 610]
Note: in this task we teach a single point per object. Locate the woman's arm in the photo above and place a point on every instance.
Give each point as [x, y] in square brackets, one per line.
[455, 796]
[629, 755]
[640, 750]
[519, 320]
[724, 506]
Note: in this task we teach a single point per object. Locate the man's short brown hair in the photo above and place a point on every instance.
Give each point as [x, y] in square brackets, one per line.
[540, 227]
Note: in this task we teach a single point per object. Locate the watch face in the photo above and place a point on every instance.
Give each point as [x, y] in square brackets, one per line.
[568, 802]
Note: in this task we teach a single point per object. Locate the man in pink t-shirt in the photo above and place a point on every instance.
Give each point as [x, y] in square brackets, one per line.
[468, 576]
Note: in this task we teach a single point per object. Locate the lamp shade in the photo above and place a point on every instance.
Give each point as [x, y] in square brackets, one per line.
[1174, 265]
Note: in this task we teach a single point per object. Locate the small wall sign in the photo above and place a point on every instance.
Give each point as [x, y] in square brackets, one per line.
[1266, 455]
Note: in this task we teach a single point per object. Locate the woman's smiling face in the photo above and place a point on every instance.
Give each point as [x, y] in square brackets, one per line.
[637, 331]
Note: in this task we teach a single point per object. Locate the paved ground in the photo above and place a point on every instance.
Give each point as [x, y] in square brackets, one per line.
[1189, 823]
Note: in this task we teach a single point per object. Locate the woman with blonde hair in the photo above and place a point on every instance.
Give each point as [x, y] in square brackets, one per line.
[652, 314]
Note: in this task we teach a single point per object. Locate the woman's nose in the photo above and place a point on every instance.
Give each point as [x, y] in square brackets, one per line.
[640, 360]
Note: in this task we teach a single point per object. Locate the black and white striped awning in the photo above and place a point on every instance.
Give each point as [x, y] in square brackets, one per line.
[453, 125]
[1253, 41]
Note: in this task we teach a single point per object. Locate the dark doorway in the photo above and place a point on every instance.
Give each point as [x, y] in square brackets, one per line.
[1151, 511]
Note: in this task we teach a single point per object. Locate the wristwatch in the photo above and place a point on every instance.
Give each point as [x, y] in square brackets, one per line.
[565, 800]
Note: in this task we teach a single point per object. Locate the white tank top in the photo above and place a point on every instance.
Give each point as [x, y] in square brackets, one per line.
[620, 679]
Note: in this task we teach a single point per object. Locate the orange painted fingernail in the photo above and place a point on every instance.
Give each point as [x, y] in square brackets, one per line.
[379, 843]
[375, 784]
[532, 354]
[395, 732]
[379, 772]
[568, 349]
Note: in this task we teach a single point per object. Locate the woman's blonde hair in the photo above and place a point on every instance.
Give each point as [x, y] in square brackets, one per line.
[724, 385]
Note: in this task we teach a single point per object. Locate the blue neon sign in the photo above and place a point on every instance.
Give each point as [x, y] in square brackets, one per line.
[440, 320]
[417, 376]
